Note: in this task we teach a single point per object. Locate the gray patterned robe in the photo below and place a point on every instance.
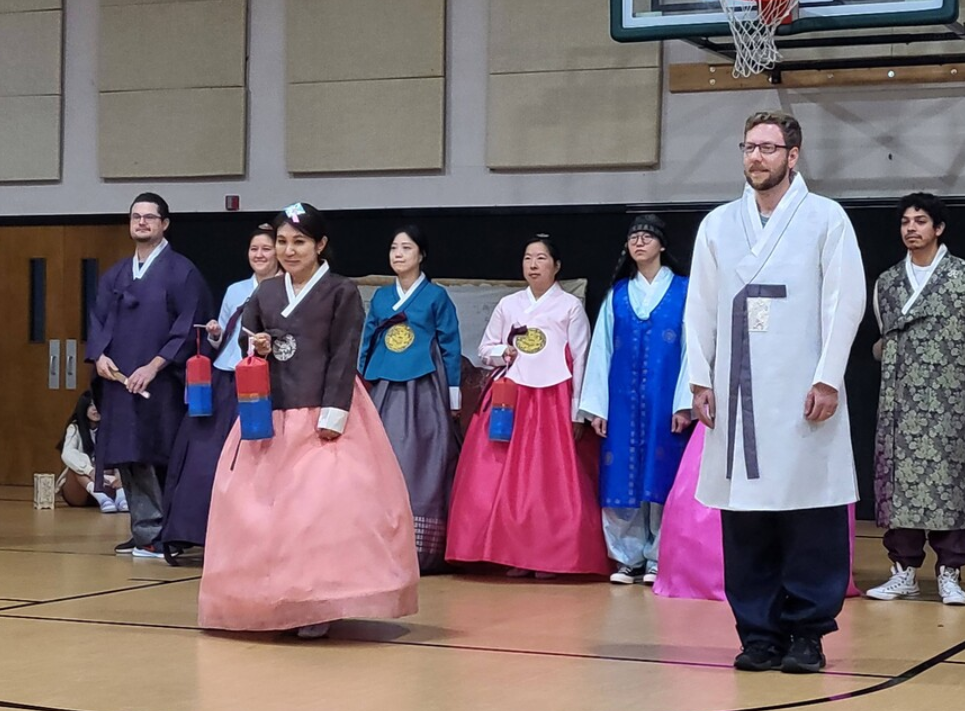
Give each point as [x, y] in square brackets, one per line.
[920, 440]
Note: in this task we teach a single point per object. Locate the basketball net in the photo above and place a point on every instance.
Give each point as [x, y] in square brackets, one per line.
[754, 24]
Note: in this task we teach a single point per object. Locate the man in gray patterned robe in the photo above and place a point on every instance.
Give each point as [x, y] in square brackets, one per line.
[920, 441]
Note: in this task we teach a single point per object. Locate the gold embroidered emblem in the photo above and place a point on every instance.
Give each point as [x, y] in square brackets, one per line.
[399, 337]
[533, 341]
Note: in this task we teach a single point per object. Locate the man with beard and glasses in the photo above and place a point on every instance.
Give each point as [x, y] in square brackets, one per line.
[776, 294]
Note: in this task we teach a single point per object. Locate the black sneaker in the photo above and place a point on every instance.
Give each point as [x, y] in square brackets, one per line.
[804, 657]
[628, 575]
[125, 548]
[759, 656]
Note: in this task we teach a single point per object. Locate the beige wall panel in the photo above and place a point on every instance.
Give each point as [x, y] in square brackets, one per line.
[190, 44]
[595, 119]
[116, 3]
[30, 126]
[172, 133]
[396, 124]
[29, 5]
[30, 53]
[336, 40]
[547, 35]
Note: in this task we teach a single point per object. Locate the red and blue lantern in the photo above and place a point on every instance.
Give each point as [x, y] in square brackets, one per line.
[254, 398]
[503, 410]
[198, 384]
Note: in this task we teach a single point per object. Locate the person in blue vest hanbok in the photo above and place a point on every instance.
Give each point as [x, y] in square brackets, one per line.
[636, 395]
[411, 353]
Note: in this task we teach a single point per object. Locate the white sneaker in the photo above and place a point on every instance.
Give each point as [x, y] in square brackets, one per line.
[147, 552]
[314, 631]
[949, 586]
[627, 575]
[120, 501]
[901, 584]
[107, 504]
[650, 577]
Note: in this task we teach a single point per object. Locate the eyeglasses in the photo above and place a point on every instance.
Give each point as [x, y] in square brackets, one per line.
[641, 237]
[767, 149]
[147, 218]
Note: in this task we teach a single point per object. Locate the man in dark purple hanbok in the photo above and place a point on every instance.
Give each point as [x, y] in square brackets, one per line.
[140, 337]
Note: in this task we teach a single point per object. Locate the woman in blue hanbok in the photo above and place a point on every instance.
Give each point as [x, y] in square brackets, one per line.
[411, 354]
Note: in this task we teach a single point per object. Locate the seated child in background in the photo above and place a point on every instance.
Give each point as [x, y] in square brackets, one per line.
[76, 482]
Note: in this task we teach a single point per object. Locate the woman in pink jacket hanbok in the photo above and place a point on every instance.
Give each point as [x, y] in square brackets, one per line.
[530, 503]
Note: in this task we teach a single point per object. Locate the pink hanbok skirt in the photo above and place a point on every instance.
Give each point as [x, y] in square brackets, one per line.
[532, 502]
[304, 531]
[691, 552]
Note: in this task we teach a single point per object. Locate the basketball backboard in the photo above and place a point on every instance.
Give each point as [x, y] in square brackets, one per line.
[650, 20]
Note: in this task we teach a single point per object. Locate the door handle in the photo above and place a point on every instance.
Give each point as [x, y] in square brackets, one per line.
[70, 373]
[53, 369]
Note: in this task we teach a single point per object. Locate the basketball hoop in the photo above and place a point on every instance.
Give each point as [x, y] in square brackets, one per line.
[754, 24]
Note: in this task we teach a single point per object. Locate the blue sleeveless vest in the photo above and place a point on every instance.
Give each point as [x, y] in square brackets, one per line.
[640, 454]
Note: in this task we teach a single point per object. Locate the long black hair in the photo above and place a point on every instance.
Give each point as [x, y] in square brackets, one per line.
[79, 419]
[651, 224]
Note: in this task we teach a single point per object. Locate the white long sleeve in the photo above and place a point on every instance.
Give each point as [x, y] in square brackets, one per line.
[843, 301]
[73, 455]
[493, 343]
[700, 315]
[578, 334]
[595, 396]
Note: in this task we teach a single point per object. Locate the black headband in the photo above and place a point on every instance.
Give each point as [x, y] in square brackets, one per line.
[649, 223]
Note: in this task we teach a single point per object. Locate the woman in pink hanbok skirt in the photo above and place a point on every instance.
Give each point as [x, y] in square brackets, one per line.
[312, 525]
[531, 503]
[691, 548]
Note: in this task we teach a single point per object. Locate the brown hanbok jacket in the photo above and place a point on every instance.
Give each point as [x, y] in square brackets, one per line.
[314, 348]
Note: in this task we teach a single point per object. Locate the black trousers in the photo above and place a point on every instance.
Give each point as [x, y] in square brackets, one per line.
[907, 547]
[786, 572]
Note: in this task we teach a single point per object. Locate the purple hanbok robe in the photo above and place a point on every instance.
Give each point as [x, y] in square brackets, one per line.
[133, 321]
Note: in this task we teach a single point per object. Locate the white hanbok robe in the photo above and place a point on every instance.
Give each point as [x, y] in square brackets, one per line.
[782, 304]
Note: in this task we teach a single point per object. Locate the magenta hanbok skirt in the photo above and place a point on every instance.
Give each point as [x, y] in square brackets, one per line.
[532, 502]
[304, 531]
[691, 548]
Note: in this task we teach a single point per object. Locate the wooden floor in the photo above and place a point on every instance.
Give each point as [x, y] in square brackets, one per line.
[84, 630]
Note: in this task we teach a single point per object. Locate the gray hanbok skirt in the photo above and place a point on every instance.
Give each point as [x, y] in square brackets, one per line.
[417, 418]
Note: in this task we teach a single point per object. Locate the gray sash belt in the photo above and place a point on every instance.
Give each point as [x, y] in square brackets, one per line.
[740, 377]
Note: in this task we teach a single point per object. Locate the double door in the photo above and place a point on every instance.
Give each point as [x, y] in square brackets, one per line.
[48, 281]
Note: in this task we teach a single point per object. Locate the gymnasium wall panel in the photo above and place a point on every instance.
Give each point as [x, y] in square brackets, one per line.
[30, 126]
[11, 6]
[557, 35]
[366, 86]
[563, 95]
[334, 40]
[31, 51]
[352, 126]
[590, 119]
[172, 133]
[206, 50]
[173, 99]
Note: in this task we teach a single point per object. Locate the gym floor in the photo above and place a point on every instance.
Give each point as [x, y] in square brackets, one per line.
[84, 630]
